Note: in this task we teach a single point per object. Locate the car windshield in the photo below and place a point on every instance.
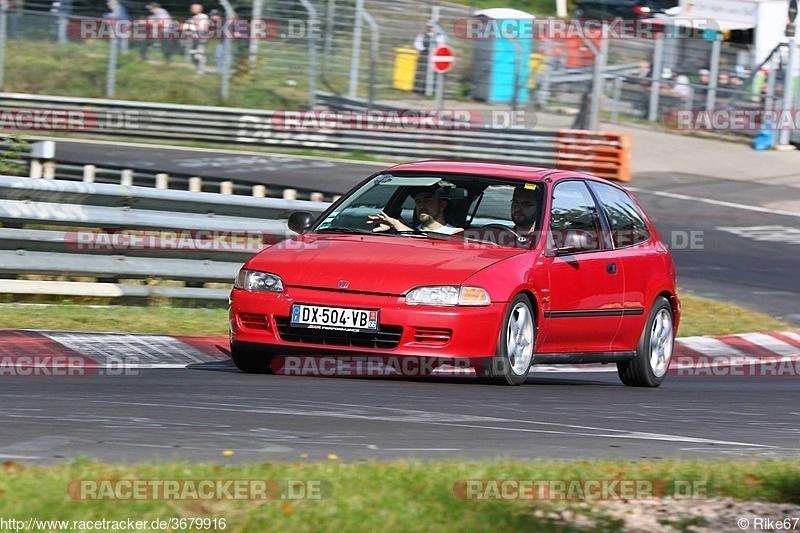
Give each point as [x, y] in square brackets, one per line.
[470, 208]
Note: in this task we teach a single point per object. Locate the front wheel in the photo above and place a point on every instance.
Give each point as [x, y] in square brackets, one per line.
[512, 362]
[654, 352]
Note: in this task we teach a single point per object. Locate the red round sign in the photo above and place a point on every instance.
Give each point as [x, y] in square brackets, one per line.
[443, 58]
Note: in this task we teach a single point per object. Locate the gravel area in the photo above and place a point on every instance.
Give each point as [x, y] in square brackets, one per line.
[670, 515]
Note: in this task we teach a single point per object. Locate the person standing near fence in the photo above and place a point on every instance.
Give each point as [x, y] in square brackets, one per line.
[424, 42]
[158, 20]
[62, 9]
[196, 27]
[116, 12]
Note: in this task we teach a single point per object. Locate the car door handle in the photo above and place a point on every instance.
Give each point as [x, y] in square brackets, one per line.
[611, 268]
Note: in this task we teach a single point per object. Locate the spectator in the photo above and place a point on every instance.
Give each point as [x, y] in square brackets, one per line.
[63, 8]
[198, 25]
[117, 11]
[682, 89]
[704, 76]
[642, 71]
[424, 42]
[723, 80]
[158, 20]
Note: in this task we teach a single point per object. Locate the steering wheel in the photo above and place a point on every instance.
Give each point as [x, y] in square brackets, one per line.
[503, 228]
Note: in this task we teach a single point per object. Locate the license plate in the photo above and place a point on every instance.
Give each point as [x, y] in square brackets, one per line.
[334, 318]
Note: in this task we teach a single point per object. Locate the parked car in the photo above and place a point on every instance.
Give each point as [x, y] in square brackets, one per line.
[626, 9]
[581, 276]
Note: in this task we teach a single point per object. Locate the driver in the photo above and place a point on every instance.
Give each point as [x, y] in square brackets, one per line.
[524, 209]
[430, 212]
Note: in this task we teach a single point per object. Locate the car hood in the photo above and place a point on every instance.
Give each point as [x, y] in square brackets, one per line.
[375, 264]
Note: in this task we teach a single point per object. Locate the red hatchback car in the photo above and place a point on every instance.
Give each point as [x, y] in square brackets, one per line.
[491, 265]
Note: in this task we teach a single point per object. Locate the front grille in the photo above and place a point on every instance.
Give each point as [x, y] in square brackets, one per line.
[434, 336]
[253, 321]
[387, 338]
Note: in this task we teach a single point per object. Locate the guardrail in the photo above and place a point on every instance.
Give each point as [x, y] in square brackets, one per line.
[252, 127]
[72, 231]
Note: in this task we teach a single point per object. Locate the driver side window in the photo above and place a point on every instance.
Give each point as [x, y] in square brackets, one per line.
[573, 212]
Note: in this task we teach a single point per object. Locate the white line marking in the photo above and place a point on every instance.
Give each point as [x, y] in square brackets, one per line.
[5, 456]
[744, 207]
[791, 335]
[446, 419]
[771, 343]
[710, 346]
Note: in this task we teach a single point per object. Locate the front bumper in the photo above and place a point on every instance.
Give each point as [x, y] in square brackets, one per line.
[414, 331]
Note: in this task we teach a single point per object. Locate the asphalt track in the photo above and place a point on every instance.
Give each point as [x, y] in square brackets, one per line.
[280, 170]
[195, 413]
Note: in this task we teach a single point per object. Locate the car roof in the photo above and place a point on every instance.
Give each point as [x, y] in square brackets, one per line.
[496, 170]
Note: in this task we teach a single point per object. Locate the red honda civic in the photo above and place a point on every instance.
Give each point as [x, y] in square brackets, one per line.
[498, 267]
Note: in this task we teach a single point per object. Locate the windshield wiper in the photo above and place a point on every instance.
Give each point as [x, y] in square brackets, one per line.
[344, 229]
[427, 234]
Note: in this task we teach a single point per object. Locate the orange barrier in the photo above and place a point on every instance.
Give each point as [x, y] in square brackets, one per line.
[607, 155]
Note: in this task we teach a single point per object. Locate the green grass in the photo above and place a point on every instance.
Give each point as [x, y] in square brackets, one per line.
[152, 320]
[372, 496]
[701, 316]
[704, 316]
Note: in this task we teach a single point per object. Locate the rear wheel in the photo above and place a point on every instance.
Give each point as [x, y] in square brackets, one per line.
[654, 352]
[252, 360]
[512, 362]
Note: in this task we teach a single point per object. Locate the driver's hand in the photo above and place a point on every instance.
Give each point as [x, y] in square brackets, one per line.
[382, 221]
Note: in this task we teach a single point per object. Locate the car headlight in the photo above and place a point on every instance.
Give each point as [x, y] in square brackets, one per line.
[448, 296]
[254, 280]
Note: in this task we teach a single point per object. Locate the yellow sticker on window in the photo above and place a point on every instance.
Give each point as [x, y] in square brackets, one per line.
[531, 186]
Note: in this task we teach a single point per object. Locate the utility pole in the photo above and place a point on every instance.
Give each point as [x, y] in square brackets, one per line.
[789, 78]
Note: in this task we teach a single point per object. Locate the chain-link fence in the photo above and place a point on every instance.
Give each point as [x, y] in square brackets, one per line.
[376, 51]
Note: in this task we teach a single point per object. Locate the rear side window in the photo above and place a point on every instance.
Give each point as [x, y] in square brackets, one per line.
[626, 223]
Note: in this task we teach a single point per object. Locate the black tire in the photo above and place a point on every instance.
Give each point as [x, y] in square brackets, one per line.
[252, 360]
[500, 369]
[640, 371]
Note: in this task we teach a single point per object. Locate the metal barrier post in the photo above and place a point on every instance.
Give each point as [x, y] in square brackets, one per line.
[312, 53]
[3, 22]
[789, 79]
[617, 96]
[355, 58]
[711, 96]
[256, 19]
[111, 77]
[373, 59]
[597, 84]
[326, 54]
[655, 86]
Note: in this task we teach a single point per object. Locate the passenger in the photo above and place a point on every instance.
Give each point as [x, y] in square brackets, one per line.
[430, 212]
[524, 210]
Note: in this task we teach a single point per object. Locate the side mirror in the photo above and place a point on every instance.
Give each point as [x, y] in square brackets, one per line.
[574, 241]
[299, 221]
